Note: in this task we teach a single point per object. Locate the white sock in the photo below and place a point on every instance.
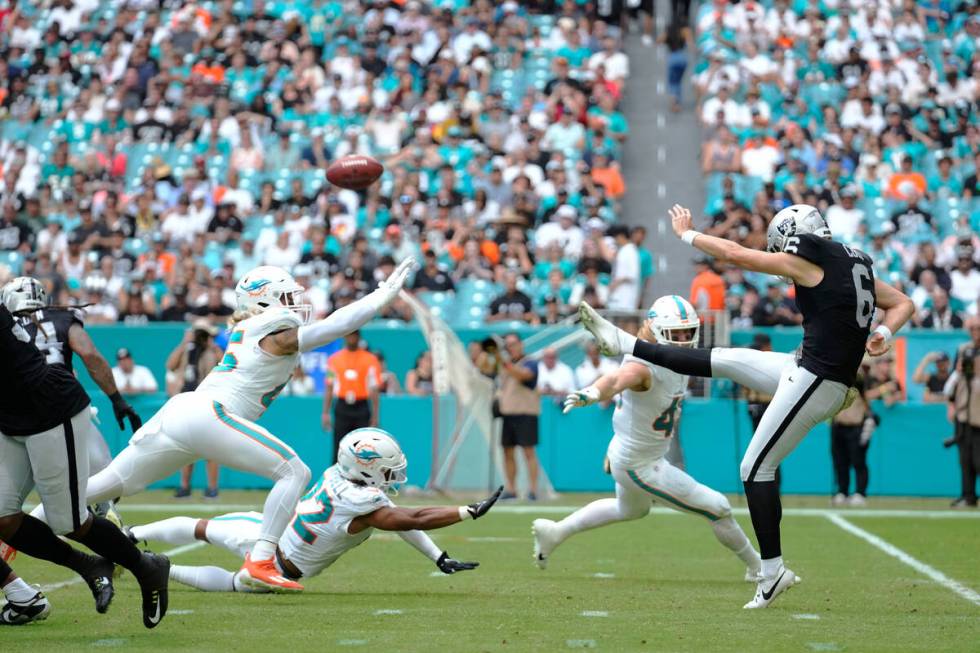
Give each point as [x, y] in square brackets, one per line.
[732, 536]
[598, 513]
[291, 479]
[263, 549]
[771, 567]
[176, 530]
[209, 579]
[17, 591]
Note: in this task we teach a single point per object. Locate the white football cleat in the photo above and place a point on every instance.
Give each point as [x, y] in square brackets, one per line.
[611, 340]
[840, 499]
[857, 501]
[545, 541]
[768, 589]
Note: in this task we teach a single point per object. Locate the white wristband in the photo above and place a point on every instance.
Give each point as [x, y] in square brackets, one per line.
[689, 236]
[884, 331]
[464, 513]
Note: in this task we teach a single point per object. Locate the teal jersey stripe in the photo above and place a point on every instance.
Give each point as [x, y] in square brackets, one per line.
[236, 518]
[667, 497]
[258, 436]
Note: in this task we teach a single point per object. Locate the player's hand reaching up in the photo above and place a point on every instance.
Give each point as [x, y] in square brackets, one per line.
[877, 345]
[399, 276]
[449, 566]
[680, 219]
[579, 398]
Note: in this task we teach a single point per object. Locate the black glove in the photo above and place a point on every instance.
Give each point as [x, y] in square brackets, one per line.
[449, 566]
[481, 508]
[121, 409]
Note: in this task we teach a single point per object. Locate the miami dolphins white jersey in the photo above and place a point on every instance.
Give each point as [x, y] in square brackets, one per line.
[248, 378]
[318, 534]
[644, 421]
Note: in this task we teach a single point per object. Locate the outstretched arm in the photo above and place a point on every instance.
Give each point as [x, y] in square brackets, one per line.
[780, 264]
[898, 309]
[630, 376]
[394, 518]
[342, 321]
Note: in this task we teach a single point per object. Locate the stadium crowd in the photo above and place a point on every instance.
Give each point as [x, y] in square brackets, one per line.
[153, 152]
[866, 109]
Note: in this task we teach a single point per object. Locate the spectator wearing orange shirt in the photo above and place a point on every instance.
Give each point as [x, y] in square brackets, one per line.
[606, 173]
[903, 183]
[354, 379]
[707, 287]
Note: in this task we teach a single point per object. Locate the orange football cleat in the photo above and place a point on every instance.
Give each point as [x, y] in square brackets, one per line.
[262, 574]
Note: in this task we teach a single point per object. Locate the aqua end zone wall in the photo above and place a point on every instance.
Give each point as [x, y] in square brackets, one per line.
[906, 456]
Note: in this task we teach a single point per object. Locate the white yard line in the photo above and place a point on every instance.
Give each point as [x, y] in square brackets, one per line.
[176, 551]
[934, 574]
[547, 509]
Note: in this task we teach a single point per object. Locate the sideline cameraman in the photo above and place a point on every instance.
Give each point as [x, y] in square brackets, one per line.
[964, 410]
[187, 365]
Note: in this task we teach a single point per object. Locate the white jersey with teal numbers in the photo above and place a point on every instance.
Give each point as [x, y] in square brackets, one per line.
[644, 421]
[248, 378]
[318, 534]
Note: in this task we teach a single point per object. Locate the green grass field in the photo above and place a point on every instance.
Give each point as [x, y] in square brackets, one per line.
[658, 584]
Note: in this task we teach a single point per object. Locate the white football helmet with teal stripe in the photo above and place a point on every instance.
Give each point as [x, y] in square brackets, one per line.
[371, 456]
[673, 321]
[268, 286]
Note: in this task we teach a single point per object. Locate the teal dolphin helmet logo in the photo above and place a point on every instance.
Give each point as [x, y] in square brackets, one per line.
[365, 454]
[255, 285]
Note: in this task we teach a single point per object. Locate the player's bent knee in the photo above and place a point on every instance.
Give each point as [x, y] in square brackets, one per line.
[296, 469]
[745, 469]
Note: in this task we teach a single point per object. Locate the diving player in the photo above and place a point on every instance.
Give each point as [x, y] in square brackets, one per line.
[341, 511]
[837, 293]
[217, 420]
[642, 427]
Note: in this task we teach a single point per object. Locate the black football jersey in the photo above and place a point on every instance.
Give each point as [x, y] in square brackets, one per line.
[48, 329]
[837, 312]
[36, 396]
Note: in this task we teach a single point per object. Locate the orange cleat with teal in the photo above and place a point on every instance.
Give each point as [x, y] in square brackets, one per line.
[263, 575]
[7, 552]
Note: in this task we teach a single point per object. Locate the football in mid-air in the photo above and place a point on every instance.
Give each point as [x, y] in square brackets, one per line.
[354, 172]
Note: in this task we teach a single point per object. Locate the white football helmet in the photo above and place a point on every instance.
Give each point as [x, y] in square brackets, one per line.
[795, 220]
[372, 456]
[673, 321]
[24, 295]
[268, 287]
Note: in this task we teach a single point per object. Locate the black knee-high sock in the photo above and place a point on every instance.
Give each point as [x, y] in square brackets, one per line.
[683, 360]
[110, 543]
[36, 539]
[5, 572]
[766, 510]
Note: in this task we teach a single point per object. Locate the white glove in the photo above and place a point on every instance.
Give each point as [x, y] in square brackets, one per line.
[579, 398]
[389, 288]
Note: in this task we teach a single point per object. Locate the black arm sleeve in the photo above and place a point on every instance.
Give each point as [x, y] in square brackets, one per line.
[683, 360]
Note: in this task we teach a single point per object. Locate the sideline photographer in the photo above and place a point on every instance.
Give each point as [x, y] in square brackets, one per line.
[964, 411]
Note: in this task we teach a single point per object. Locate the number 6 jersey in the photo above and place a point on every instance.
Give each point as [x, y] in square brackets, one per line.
[836, 312]
[644, 421]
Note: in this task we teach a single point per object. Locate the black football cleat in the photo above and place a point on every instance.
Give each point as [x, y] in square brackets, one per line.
[154, 578]
[99, 581]
[18, 614]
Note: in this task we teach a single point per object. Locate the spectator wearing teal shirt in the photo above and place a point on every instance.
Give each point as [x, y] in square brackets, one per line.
[943, 183]
[638, 235]
[554, 261]
[606, 116]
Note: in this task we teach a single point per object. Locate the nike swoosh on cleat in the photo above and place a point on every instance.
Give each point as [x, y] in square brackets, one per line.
[155, 619]
[768, 595]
